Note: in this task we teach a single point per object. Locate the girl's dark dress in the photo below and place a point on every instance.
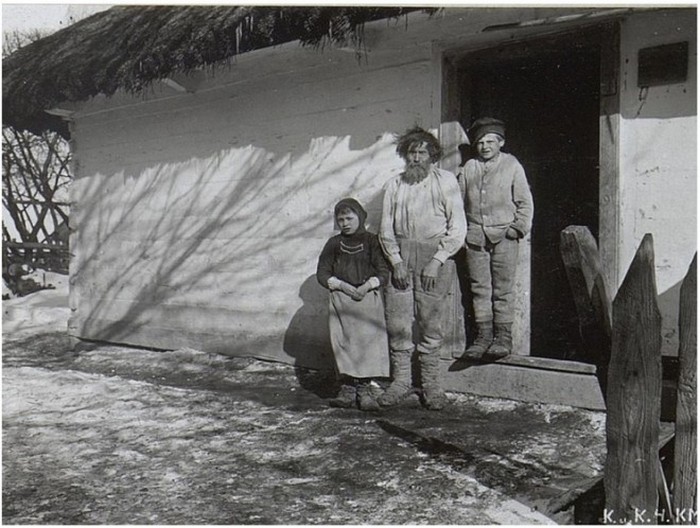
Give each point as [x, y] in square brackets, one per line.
[357, 328]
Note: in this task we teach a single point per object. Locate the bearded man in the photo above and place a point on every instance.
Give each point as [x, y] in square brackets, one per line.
[423, 225]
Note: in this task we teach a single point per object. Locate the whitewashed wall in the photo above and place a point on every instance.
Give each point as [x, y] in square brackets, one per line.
[198, 217]
[658, 160]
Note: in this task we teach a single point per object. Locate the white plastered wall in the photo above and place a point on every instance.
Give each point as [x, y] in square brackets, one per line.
[658, 160]
[199, 217]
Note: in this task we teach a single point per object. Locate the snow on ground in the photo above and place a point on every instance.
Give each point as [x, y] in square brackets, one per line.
[119, 435]
[41, 311]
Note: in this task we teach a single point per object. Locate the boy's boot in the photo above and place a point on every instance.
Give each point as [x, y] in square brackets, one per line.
[347, 395]
[502, 342]
[483, 340]
[365, 399]
[401, 386]
[431, 381]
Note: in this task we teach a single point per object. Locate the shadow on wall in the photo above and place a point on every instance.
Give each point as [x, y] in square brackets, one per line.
[212, 253]
[170, 239]
[374, 211]
[307, 340]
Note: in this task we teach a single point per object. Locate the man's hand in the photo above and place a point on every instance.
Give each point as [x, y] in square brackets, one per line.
[428, 276]
[400, 276]
[512, 234]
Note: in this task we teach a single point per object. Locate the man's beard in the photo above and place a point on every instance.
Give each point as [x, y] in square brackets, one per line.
[415, 173]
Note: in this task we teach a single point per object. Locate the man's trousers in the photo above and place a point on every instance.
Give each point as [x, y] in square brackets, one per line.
[414, 304]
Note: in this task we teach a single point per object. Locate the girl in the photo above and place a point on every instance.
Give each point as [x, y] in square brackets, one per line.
[353, 268]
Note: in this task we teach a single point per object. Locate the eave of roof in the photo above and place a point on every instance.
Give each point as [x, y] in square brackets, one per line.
[129, 47]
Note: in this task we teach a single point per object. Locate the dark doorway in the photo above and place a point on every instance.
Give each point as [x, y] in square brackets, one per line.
[547, 92]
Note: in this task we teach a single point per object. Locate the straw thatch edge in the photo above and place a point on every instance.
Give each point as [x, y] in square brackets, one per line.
[130, 47]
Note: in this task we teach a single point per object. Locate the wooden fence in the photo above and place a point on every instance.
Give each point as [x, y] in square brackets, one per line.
[49, 257]
[626, 335]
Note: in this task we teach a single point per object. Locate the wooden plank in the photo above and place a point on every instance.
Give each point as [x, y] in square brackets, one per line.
[542, 363]
[634, 395]
[36, 245]
[451, 135]
[536, 362]
[524, 383]
[609, 230]
[579, 252]
[582, 260]
[455, 327]
[685, 457]
[521, 298]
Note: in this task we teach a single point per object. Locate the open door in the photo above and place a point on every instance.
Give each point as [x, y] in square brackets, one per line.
[547, 90]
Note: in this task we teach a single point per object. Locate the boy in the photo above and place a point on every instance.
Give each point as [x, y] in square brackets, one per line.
[499, 211]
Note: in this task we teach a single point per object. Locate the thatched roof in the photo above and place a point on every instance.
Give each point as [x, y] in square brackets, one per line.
[129, 47]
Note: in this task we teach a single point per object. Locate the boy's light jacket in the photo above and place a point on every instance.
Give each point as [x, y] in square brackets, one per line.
[496, 196]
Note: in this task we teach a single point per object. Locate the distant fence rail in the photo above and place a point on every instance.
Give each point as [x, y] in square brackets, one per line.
[50, 257]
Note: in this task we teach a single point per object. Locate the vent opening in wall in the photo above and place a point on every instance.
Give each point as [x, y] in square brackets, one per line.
[666, 64]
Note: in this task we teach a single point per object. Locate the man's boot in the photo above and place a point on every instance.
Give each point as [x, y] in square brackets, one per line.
[401, 386]
[347, 395]
[483, 340]
[431, 381]
[502, 342]
[365, 399]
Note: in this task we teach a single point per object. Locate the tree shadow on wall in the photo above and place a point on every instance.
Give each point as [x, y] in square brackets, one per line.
[181, 253]
[307, 340]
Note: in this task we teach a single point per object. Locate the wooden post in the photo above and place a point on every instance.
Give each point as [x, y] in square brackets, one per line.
[634, 396]
[451, 136]
[685, 463]
[581, 259]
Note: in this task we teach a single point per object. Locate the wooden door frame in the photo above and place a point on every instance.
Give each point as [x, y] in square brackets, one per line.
[609, 206]
[446, 108]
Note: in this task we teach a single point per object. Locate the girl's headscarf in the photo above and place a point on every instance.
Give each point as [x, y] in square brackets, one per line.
[355, 207]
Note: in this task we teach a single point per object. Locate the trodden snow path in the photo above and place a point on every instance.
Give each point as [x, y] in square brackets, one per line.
[96, 448]
[115, 435]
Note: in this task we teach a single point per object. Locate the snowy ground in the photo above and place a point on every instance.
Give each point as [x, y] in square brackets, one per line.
[42, 311]
[116, 435]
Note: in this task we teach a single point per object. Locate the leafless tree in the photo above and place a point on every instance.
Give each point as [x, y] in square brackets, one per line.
[36, 174]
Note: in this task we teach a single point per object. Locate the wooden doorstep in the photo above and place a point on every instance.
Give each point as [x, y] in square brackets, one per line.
[539, 380]
[527, 378]
[541, 363]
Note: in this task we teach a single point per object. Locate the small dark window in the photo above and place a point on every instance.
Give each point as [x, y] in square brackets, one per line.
[665, 64]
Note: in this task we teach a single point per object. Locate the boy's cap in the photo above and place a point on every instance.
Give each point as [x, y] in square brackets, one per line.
[486, 125]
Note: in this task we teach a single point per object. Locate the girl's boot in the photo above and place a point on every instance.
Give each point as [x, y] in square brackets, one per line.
[365, 399]
[347, 395]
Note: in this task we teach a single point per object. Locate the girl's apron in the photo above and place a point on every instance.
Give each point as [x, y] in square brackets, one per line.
[358, 335]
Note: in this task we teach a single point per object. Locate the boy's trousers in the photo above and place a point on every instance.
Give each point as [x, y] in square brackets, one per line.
[426, 308]
[491, 277]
